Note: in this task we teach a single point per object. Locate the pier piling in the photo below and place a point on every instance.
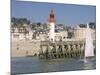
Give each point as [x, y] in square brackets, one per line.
[61, 49]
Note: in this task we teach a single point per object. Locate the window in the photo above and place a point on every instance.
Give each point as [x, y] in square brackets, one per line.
[16, 36]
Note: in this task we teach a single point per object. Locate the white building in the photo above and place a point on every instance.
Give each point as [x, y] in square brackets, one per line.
[80, 33]
[61, 35]
[21, 33]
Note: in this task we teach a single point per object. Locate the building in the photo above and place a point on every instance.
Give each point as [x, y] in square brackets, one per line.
[61, 35]
[80, 33]
[21, 33]
[40, 35]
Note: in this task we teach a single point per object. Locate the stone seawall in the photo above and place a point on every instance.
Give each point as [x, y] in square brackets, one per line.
[24, 48]
[34, 47]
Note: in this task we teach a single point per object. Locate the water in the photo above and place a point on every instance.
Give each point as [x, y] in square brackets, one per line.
[22, 65]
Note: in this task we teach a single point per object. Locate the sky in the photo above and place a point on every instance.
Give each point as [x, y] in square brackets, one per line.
[67, 14]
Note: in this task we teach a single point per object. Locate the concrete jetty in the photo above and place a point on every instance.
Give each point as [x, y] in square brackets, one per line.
[61, 49]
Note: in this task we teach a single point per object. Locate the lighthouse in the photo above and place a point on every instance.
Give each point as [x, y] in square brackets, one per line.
[51, 22]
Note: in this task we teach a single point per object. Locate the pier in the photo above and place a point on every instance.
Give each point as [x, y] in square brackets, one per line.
[62, 49]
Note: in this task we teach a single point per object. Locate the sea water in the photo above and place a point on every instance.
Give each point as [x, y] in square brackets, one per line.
[25, 65]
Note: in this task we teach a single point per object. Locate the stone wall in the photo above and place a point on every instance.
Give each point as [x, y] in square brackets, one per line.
[24, 48]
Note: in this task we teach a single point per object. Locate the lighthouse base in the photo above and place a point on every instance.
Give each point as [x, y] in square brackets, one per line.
[52, 32]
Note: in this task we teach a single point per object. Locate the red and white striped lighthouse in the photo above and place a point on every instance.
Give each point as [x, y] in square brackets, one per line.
[52, 21]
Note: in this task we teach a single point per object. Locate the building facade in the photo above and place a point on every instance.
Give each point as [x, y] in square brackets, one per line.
[80, 33]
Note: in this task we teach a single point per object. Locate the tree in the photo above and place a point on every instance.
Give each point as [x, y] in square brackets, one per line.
[92, 25]
[82, 25]
[19, 21]
[39, 24]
